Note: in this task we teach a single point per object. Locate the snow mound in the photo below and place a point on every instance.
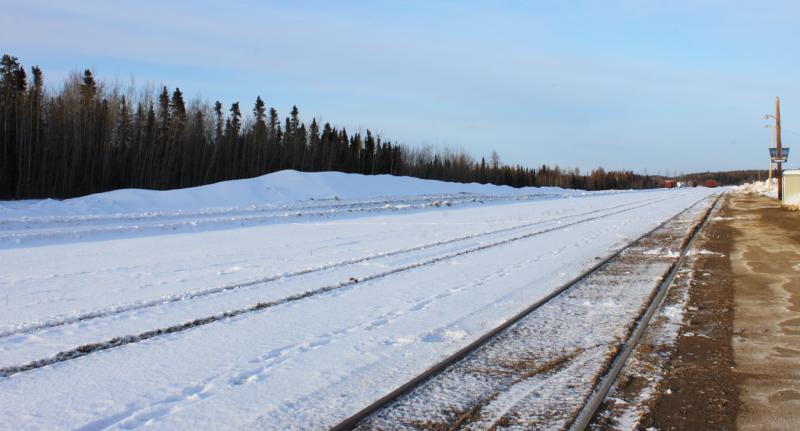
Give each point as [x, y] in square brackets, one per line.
[767, 188]
[278, 187]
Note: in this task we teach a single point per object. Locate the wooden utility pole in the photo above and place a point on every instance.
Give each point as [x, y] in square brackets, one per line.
[778, 142]
[771, 143]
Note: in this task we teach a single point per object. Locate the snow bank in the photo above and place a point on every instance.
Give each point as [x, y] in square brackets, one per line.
[792, 202]
[278, 187]
[760, 188]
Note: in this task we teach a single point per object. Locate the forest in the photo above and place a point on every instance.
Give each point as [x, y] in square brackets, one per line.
[87, 137]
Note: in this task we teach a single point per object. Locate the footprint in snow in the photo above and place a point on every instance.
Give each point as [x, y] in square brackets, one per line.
[441, 336]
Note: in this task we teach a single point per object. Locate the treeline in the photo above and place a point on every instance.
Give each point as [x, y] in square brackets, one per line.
[727, 178]
[88, 137]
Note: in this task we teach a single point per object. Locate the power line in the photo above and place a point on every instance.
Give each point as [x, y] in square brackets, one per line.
[784, 129]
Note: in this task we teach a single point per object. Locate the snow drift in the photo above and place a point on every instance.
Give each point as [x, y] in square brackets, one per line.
[277, 187]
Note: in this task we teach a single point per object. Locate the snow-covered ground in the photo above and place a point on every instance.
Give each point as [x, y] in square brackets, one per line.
[286, 196]
[288, 301]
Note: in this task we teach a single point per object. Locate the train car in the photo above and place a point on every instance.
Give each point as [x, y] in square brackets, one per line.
[711, 183]
[668, 184]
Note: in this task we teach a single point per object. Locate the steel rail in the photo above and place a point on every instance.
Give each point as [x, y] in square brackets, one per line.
[353, 421]
[587, 413]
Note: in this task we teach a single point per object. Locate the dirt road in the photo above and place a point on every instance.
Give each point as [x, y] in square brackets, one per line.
[737, 361]
[766, 265]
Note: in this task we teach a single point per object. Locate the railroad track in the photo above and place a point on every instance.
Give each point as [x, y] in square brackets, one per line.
[592, 405]
[27, 328]
[318, 207]
[50, 227]
[375, 415]
[117, 341]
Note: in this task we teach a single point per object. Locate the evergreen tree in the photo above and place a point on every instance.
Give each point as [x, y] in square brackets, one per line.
[235, 120]
[219, 120]
[178, 106]
[164, 117]
[89, 86]
[259, 111]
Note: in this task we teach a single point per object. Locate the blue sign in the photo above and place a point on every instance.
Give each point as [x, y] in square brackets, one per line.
[773, 154]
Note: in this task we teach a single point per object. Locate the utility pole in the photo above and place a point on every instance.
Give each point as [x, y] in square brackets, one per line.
[778, 142]
[771, 143]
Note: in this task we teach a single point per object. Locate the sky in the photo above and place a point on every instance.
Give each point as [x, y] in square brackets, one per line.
[651, 86]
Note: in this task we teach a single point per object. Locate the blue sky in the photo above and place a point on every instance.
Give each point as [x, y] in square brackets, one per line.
[657, 86]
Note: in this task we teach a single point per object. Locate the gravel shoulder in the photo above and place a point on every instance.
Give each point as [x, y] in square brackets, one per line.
[724, 353]
[700, 386]
[680, 375]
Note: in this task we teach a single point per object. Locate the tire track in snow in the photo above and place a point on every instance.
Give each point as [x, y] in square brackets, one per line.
[87, 349]
[124, 308]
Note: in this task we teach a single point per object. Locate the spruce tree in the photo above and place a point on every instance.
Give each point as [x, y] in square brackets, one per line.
[218, 121]
[236, 119]
[164, 117]
[259, 111]
[178, 106]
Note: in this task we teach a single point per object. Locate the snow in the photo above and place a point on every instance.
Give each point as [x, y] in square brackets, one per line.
[314, 316]
[701, 252]
[281, 197]
[279, 187]
[767, 188]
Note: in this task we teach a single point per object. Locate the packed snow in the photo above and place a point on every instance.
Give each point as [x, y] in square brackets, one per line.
[247, 304]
